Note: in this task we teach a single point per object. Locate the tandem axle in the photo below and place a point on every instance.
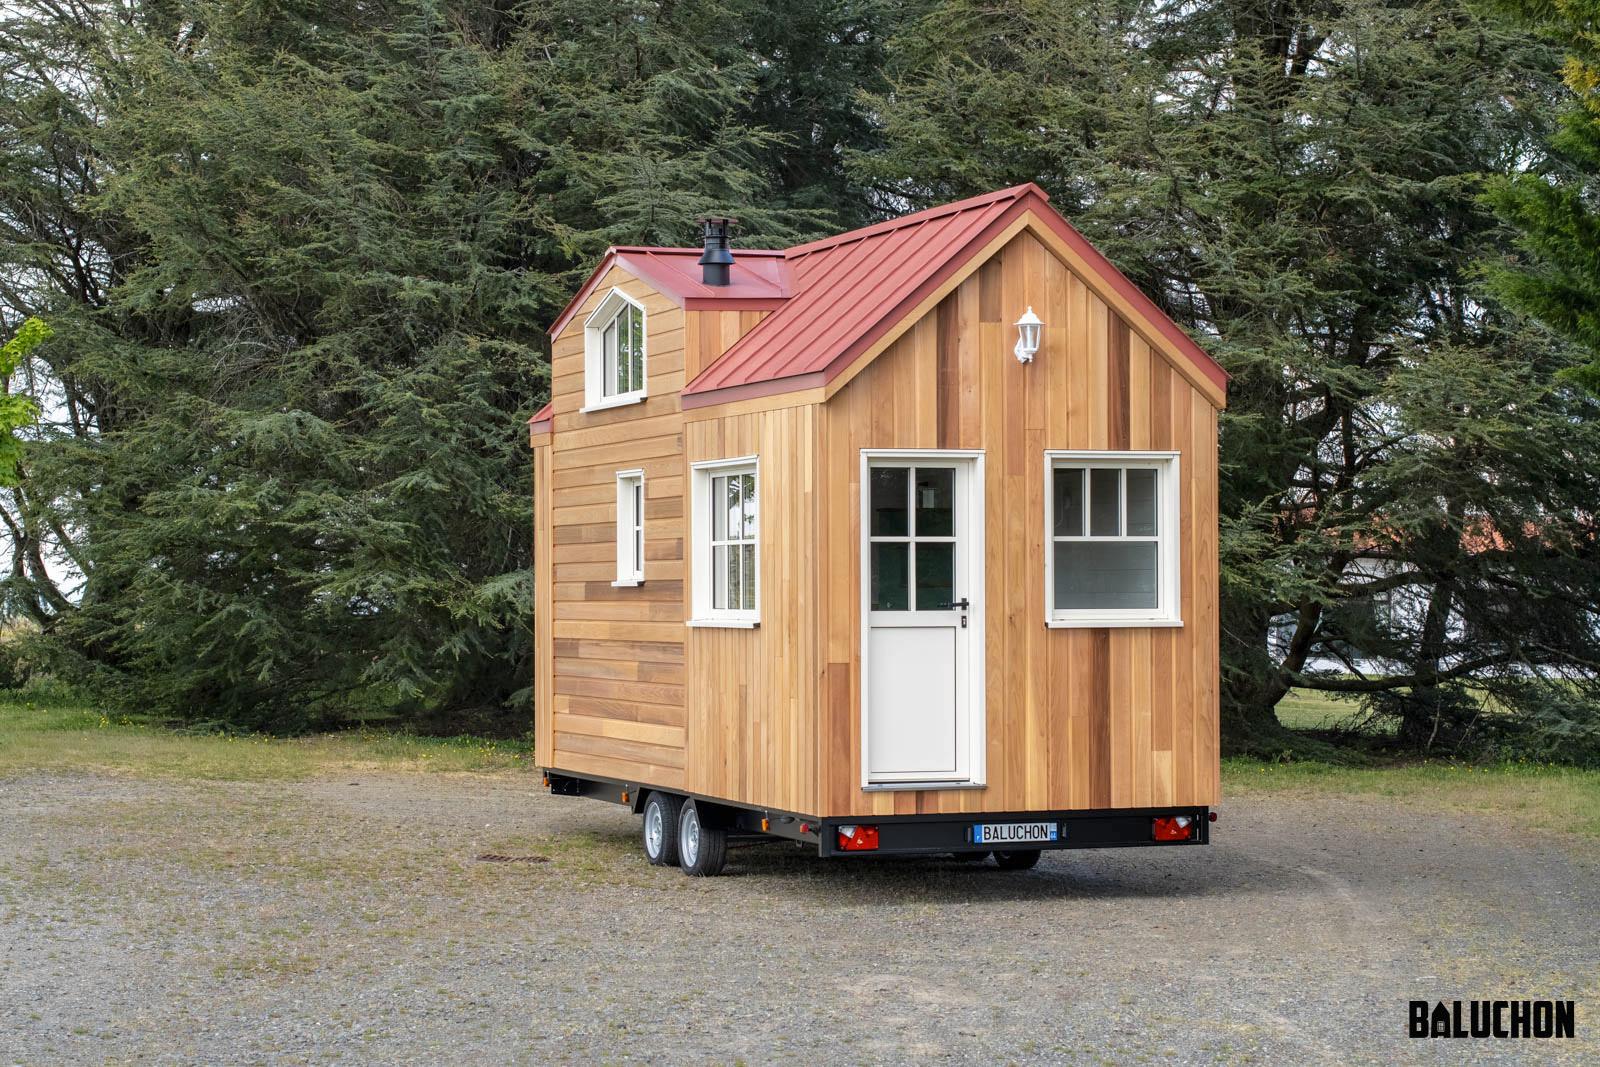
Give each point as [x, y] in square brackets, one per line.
[694, 831]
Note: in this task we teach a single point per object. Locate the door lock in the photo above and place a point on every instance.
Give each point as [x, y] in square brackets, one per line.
[962, 604]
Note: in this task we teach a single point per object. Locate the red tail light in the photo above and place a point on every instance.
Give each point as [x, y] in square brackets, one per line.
[858, 838]
[1173, 828]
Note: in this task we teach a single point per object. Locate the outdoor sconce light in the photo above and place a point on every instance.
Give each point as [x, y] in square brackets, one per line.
[1028, 328]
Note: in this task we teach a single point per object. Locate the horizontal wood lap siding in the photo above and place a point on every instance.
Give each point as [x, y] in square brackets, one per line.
[1076, 718]
[753, 693]
[610, 693]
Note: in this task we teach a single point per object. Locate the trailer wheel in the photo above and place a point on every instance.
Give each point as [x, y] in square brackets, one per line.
[661, 828]
[1020, 860]
[702, 849]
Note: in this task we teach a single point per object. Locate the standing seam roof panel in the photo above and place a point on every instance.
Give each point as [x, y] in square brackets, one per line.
[826, 315]
[815, 329]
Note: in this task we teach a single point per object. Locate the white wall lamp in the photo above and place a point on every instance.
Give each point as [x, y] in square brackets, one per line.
[1028, 328]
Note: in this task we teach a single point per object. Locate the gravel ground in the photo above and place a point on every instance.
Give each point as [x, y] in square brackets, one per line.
[350, 921]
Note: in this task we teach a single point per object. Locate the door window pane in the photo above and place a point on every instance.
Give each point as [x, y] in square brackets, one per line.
[1141, 503]
[889, 492]
[1069, 502]
[935, 499]
[935, 575]
[1098, 575]
[1105, 502]
[890, 580]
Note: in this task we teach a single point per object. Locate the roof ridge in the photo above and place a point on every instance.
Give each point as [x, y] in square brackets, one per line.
[1014, 192]
[695, 251]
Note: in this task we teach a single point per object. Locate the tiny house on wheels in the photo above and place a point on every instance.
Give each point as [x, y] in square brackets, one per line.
[902, 541]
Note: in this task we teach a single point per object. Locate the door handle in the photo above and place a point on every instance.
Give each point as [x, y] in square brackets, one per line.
[962, 604]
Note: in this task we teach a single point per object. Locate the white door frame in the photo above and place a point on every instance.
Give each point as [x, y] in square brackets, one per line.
[970, 515]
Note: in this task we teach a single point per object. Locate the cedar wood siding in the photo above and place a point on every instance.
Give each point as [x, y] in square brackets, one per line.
[611, 660]
[1076, 718]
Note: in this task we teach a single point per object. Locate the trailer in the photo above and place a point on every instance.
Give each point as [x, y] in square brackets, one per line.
[899, 542]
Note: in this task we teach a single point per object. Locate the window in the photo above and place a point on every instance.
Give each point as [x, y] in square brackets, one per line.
[912, 532]
[614, 360]
[1111, 523]
[727, 561]
[630, 527]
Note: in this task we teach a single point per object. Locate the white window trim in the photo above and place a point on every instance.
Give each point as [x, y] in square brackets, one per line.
[1169, 596]
[703, 614]
[594, 394]
[627, 523]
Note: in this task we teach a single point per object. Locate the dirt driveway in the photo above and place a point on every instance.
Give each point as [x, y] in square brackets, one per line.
[349, 920]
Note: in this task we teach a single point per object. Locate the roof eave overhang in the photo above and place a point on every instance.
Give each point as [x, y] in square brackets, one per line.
[595, 278]
[730, 394]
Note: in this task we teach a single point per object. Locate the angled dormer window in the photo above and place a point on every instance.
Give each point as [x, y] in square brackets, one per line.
[613, 345]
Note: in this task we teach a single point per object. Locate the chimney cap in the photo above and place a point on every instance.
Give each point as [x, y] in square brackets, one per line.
[716, 261]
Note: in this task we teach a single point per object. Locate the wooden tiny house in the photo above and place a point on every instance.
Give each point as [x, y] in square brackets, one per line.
[828, 546]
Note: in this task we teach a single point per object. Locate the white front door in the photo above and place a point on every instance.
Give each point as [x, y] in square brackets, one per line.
[922, 569]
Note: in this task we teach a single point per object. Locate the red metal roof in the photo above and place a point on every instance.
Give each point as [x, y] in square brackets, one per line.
[761, 279]
[850, 289]
[543, 418]
[833, 299]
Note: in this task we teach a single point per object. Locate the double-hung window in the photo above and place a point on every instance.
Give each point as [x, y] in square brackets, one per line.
[630, 527]
[727, 554]
[614, 353]
[1111, 526]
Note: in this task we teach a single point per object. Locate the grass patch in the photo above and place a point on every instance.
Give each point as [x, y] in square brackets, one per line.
[1313, 709]
[40, 733]
[1538, 795]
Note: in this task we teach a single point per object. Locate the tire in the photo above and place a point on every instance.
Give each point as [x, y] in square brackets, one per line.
[660, 831]
[1020, 860]
[702, 849]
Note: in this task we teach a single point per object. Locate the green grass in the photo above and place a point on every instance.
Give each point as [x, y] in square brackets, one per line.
[1311, 709]
[46, 734]
[1539, 795]
[43, 733]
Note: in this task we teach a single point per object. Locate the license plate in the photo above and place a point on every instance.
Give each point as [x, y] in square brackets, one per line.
[1013, 833]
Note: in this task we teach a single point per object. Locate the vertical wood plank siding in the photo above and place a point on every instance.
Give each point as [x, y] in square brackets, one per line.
[753, 694]
[1077, 718]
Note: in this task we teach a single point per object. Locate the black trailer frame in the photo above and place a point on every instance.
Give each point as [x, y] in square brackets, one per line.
[902, 835]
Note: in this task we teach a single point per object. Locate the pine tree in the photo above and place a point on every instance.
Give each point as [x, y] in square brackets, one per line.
[1297, 185]
[1557, 207]
[303, 350]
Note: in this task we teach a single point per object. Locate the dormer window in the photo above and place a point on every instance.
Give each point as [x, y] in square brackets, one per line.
[613, 339]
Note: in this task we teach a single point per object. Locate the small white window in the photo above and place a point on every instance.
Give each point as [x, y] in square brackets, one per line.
[630, 527]
[1111, 526]
[727, 561]
[614, 356]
